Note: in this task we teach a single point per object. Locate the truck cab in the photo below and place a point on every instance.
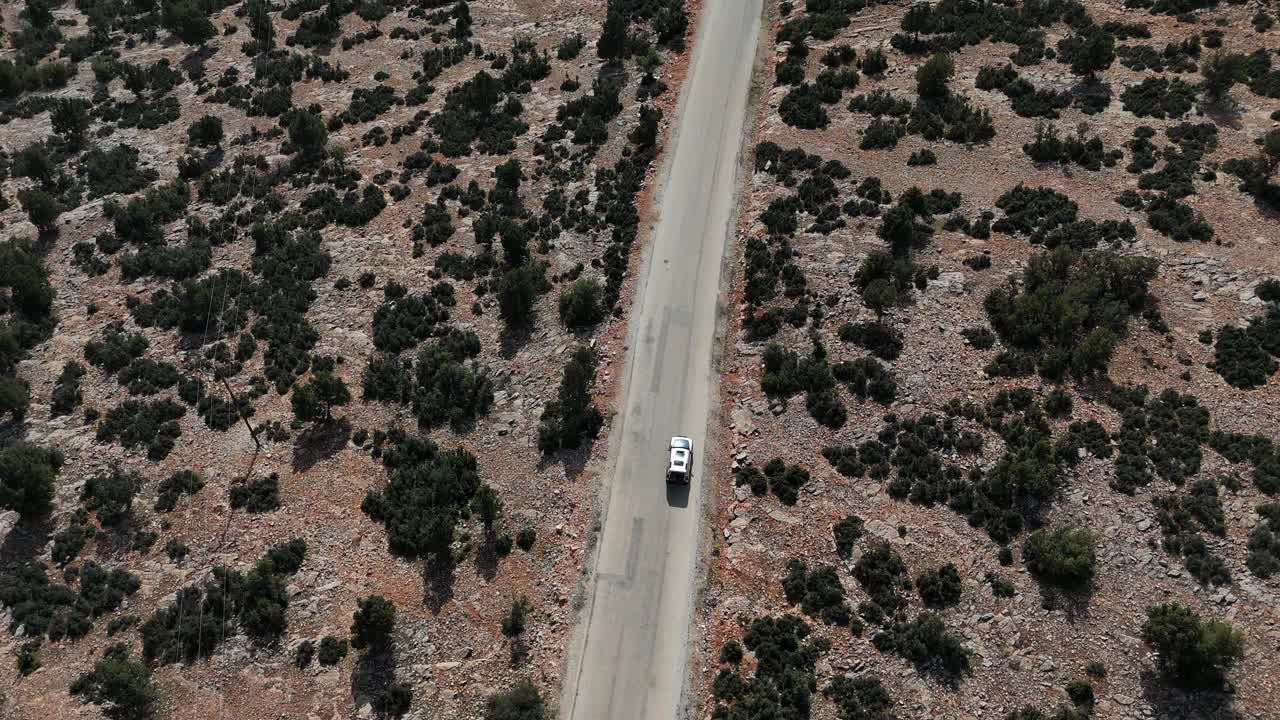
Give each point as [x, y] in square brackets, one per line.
[680, 460]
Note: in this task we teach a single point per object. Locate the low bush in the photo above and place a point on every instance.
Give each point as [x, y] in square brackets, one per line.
[1194, 653]
[153, 424]
[818, 592]
[1160, 97]
[939, 588]
[110, 495]
[928, 644]
[582, 304]
[572, 418]
[332, 650]
[1064, 557]
[118, 684]
[27, 474]
[846, 534]
[258, 495]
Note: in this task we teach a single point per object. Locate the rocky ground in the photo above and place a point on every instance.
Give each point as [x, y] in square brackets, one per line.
[1024, 652]
[448, 643]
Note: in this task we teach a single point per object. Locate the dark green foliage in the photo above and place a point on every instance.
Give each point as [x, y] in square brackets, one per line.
[785, 480]
[818, 592]
[145, 376]
[207, 131]
[518, 291]
[118, 684]
[802, 106]
[867, 378]
[29, 657]
[1064, 557]
[182, 482]
[883, 575]
[445, 386]
[1088, 153]
[1194, 653]
[49, 609]
[401, 323]
[922, 157]
[1163, 433]
[110, 495]
[42, 208]
[582, 304]
[880, 102]
[1245, 357]
[928, 644]
[979, 337]
[332, 650]
[372, 623]
[845, 460]
[516, 621]
[135, 423]
[429, 491]
[939, 588]
[1160, 98]
[1072, 308]
[114, 171]
[202, 616]
[784, 681]
[880, 339]
[874, 62]
[303, 654]
[1088, 51]
[571, 418]
[70, 119]
[1264, 542]
[1081, 694]
[176, 551]
[1000, 587]
[187, 20]
[67, 390]
[314, 401]
[521, 702]
[860, 698]
[68, 543]
[846, 533]
[27, 474]
[258, 495]
[116, 350]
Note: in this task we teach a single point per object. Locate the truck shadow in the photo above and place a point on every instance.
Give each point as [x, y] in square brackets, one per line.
[678, 495]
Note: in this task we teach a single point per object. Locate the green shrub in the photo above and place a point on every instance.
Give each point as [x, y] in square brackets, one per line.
[783, 681]
[1160, 98]
[182, 482]
[522, 702]
[928, 644]
[582, 304]
[846, 533]
[66, 391]
[118, 684]
[27, 474]
[314, 401]
[429, 490]
[207, 131]
[1000, 587]
[819, 593]
[860, 698]
[1194, 653]
[42, 208]
[332, 650]
[1064, 557]
[518, 291]
[153, 424]
[110, 494]
[572, 418]
[258, 495]
[883, 575]
[939, 588]
[372, 623]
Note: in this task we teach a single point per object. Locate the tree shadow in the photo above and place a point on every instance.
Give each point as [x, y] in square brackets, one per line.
[438, 574]
[25, 542]
[512, 339]
[1225, 112]
[320, 442]
[519, 651]
[1170, 702]
[1073, 602]
[373, 674]
[574, 460]
[487, 557]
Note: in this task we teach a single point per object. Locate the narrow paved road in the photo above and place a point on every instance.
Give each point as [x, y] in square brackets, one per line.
[628, 661]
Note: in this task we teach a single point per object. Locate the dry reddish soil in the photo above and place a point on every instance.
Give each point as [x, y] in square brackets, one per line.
[448, 643]
[1022, 653]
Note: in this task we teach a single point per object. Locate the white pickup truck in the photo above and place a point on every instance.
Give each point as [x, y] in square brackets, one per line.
[680, 463]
